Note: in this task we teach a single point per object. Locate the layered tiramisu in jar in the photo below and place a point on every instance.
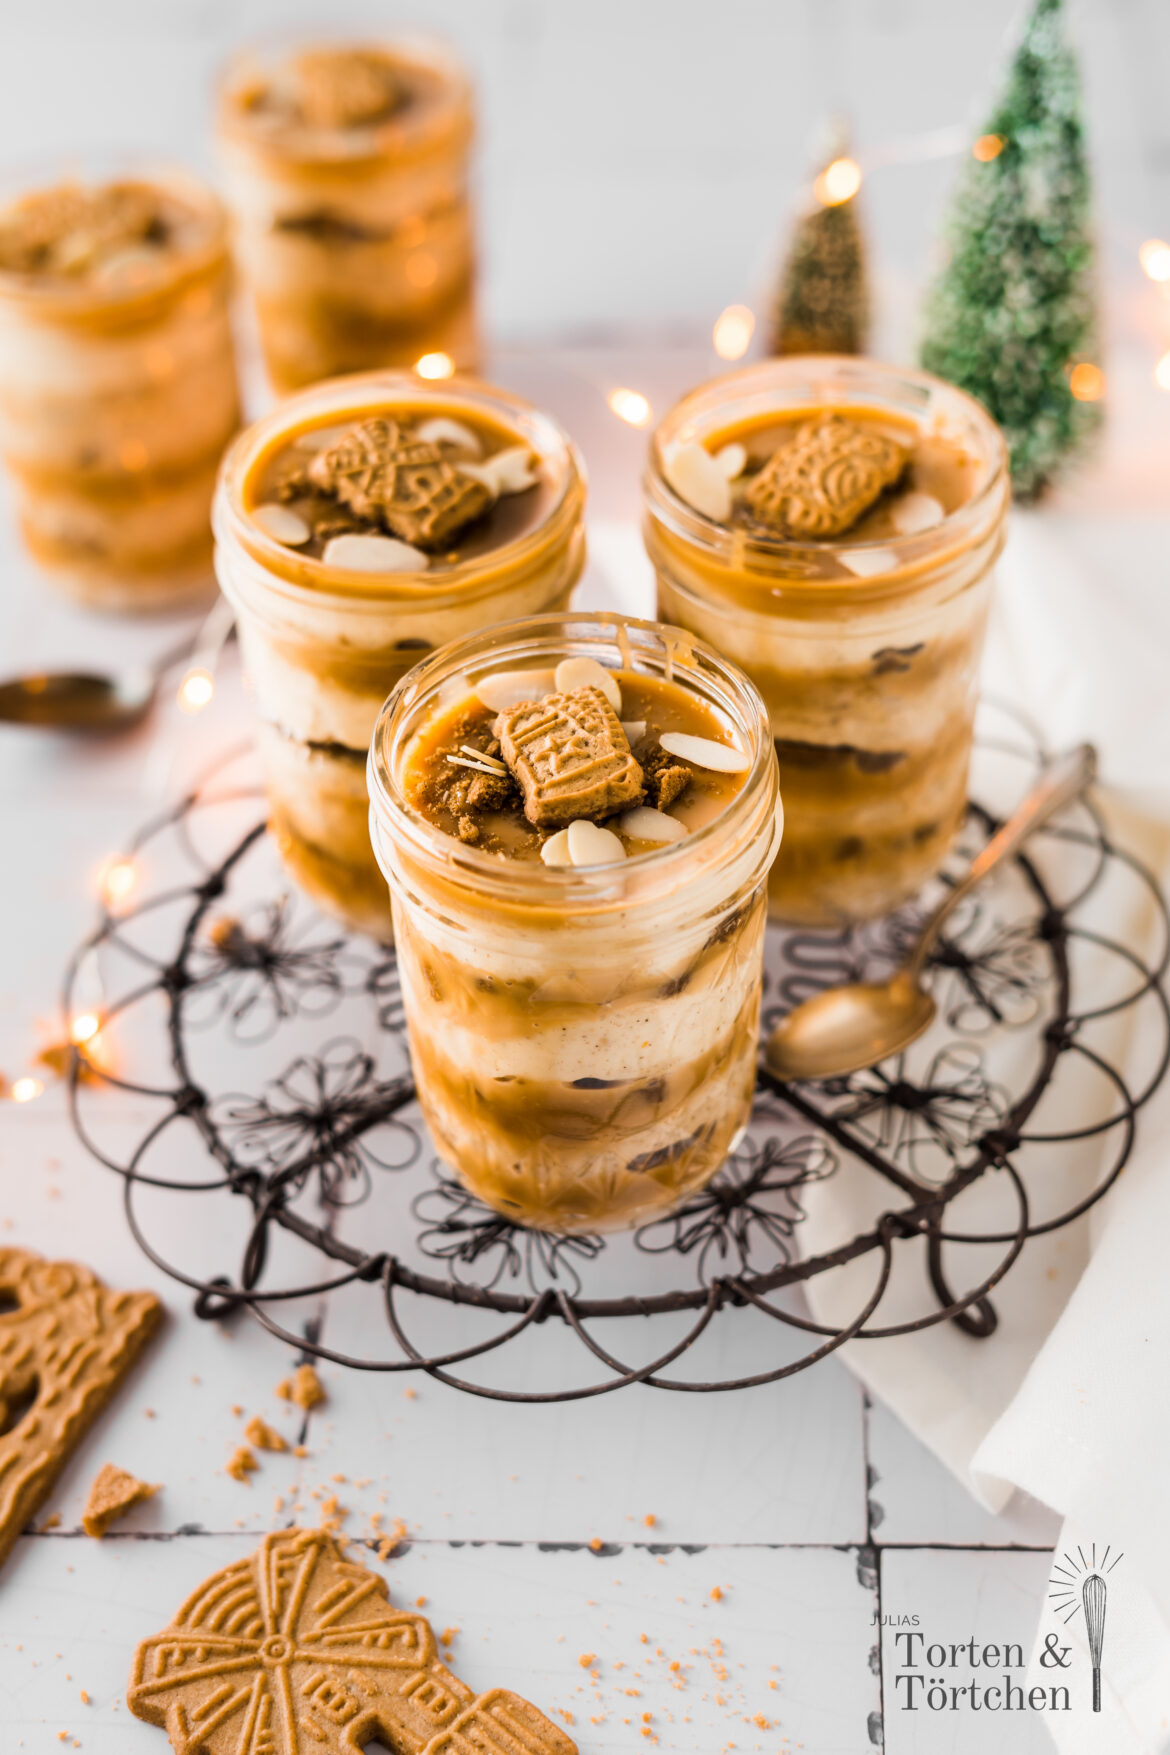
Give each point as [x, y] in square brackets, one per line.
[363, 523]
[576, 816]
[117, 382]
[347, 168]
[832, 526]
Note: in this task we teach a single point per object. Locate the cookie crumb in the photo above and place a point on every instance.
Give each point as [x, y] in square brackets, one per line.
[241, 1464]
[304, 1388]
[587, 1658]
[112, 1494]
[257, 1432]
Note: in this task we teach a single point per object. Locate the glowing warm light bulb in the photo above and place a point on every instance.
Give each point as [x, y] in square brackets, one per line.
[117, 880]
[733, 332]
[630, 406]
[1087, 382]
[85, 1027]
[987, 147]
[1154, 257]
[196, 690]
[435, 365]
[24, 1090]
[1162, 372]
[838, 182]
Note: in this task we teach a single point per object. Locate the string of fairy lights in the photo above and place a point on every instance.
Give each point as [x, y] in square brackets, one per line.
[118, 877]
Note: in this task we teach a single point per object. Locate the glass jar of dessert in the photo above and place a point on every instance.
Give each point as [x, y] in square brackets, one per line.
[832, 526]
[347, 169]
[361, 524]
[117, 382]
[576, 816]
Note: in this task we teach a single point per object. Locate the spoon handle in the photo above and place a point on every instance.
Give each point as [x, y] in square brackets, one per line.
[1062, 781]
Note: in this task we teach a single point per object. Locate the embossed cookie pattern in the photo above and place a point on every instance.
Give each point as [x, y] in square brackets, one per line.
[296, 1651]
[66, 1342]
[570, 756]
[403, 484]
[821, 482]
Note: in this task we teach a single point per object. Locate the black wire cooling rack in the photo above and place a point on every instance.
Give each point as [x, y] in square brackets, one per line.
[251, 1052]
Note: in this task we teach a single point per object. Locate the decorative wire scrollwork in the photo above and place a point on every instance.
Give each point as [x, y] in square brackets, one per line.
[947, 1159]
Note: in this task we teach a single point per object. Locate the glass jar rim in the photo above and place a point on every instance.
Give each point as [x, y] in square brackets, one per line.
[960, 529]
[399, 136]
[209, 252]
[590, 888]
[354, 396]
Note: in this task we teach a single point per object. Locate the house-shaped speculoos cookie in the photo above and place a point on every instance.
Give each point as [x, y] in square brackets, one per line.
[66, 1342]
[297, 1651]
[821, 482]
[570, 756]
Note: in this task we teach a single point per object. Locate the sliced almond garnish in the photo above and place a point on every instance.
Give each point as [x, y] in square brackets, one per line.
[482, 756]
[635, 730]
[555, 850]
[867, 563]
[732, 460]
[506, 472]
[374, 554]
[914, 511]
[590, 844]
[480, 767]
[586, 673]
[507, 688]
[704, 752]
[317, 438]
[698, 479]
[444, 431]
[282, 524]
[644, 823]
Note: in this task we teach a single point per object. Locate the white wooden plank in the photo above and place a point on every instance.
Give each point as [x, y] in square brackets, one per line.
[779, 1663]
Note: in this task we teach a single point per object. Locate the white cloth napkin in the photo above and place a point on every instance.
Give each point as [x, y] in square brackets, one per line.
[1070, 1399]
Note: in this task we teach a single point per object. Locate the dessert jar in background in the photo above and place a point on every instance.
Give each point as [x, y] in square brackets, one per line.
[584, 1037]
[117, 382]
[332, 610]
[347, 169]
[864, 644]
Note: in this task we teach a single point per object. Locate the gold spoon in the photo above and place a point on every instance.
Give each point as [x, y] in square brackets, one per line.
[847, 1028]
[106, 701]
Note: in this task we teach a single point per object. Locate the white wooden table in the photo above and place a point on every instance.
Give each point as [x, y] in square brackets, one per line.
[809, 1511]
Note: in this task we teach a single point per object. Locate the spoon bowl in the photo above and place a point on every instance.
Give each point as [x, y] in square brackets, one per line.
[78, 700]
[845, 1029]
[92, 702]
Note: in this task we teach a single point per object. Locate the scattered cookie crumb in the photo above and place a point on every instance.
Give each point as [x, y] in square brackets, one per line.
[650, 1520]
[587, 1658]
[304, 1388]
[716, 1594]
[597, 1544]
[264, 1437]
[112, 1494]
[84, 1698]
[241, 1464]
[53, 1521]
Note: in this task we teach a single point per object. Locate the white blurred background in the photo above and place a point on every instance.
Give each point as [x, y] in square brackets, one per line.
[640, 159]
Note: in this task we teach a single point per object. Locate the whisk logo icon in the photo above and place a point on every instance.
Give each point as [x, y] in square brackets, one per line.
[1083, 1589]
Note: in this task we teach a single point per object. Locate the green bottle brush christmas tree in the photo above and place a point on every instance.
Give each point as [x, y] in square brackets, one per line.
[1013, 312]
